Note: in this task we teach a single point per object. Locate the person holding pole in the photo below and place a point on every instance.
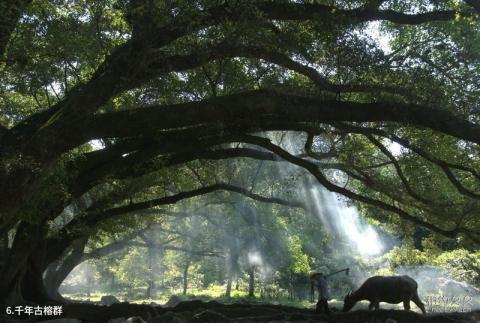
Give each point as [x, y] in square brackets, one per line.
[319, 281]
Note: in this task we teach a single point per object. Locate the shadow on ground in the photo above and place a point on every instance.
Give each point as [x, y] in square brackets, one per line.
[199, 311]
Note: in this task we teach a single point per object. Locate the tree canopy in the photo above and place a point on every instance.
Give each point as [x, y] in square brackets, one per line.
[116, 107]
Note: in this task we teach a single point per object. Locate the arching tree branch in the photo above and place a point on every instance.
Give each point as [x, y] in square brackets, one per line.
[262, 107]
[93, 218]
[313, 169]
[399, 170]
[445, 166]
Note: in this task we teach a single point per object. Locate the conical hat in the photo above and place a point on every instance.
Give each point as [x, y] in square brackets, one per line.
[313, 274]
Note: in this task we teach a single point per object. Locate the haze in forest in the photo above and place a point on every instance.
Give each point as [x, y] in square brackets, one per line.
[208, 159]
[250, 252]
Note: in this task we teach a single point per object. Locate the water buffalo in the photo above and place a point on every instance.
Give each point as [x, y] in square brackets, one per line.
[388, 289]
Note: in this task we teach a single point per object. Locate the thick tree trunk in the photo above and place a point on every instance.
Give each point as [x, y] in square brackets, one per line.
[58, 270]
[14, 294]
[28, 284]
[33, 288]
[26, 257]
[185, 277]
[21, 277]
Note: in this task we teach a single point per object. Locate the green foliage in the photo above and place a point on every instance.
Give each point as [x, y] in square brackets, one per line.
[300, 263]
[405, 256]
[132, 269]
[57, 47]
[458, 264]
[463, 264]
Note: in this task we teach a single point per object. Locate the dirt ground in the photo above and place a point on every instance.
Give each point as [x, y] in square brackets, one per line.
[199, 311]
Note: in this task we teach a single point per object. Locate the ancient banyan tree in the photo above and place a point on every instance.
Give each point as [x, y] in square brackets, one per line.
[107, 105]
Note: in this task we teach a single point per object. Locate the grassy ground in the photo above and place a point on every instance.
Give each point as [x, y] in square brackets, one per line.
[216, 292]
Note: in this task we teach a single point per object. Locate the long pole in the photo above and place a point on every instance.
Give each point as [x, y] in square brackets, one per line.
[336, 272]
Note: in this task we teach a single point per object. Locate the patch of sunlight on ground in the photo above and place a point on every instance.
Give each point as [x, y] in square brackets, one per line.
[217, 292]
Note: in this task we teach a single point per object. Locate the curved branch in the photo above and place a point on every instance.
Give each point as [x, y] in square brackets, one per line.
[295, 11]
[445, 166]
[369, 182]
[185, 24]
[94, 218]
[405, 143]
[106, 163]
[261, 107]
[458, 185]
[129, 65]
[276, 57]
[74, 227]
[314, 170]
[400, 174]
[194, 252]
